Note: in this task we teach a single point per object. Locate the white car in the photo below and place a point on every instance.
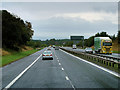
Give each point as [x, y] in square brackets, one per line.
[88, 50]
[74, 46]
[47, 55]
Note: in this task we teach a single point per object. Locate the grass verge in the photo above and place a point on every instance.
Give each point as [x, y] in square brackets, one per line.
[15, 56]
[116, 52]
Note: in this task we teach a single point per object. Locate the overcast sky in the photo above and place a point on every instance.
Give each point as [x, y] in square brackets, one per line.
[61, 19]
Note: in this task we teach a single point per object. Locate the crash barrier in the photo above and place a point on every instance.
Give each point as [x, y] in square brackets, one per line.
[97, 58]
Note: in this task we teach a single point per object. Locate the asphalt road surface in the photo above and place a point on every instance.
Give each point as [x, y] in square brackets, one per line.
[83, 50]
[64, 71]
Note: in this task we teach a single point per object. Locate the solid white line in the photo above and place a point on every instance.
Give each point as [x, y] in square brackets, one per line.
[14, 80]
[59, 63]
[107, 70]
[66, 78]
[62, 68]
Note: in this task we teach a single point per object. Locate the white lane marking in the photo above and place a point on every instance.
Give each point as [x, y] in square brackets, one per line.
[107, 70]
[70, 82]
[62, 68]
[14, 80]
[59, 63]
[66, 77]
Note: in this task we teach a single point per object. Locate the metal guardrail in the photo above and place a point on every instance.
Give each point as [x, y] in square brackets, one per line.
[116, 59]
[109, 57]
[109, 61]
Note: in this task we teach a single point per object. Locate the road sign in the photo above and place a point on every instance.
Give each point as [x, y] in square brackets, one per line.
[76, 37]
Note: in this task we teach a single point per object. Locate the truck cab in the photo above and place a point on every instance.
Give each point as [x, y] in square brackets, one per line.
[103, 45]
[106, 46]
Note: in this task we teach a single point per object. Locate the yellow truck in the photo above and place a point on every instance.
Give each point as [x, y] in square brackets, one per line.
[103, 45]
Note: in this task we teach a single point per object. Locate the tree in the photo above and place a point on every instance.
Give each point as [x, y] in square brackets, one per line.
[15, 31]
[113, 37]
[90, 41]
[68, 43]
[118, 36]
[52, 41]
[102, 34]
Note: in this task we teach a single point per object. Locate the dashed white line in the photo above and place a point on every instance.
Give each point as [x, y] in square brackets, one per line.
[62, 68]
[66, 77]
[59, 63]
[102, 68]
[70, 82]
[14, 80]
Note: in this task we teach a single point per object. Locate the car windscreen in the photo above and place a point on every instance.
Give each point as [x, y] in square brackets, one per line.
[47, 53]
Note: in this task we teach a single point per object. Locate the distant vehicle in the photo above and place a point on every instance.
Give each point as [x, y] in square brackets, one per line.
[38, 48]
[57, 48]
[74, 46]
[103, 45]
[47, 55]
[88, 50]
[49, 48]
[53, 46]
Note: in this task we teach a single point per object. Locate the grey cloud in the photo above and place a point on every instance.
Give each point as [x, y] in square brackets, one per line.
[39, 13]
[68, 26]
[58, 7]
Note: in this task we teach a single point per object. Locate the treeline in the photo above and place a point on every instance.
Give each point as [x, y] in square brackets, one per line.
[67, 42]
[90, 41]
[15, 31]
[36, 44]
[87, 42]
[57, 42]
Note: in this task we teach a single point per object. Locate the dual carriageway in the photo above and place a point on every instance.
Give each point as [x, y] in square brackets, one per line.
[64, 71]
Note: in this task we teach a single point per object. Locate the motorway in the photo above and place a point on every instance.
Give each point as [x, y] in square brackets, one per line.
[64, 71]
[83, 50]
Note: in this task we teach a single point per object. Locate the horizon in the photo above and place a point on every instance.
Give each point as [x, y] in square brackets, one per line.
[62, 19]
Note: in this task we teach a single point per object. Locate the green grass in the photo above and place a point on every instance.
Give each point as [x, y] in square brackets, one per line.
[15, 56]
[116, 51]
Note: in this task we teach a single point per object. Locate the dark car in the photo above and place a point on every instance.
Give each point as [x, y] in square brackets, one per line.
[57, 48]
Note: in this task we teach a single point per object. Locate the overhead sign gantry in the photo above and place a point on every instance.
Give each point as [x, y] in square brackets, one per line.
[77, 38]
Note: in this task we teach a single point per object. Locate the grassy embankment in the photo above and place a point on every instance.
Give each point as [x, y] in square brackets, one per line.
[9, 56]
[116, 47]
